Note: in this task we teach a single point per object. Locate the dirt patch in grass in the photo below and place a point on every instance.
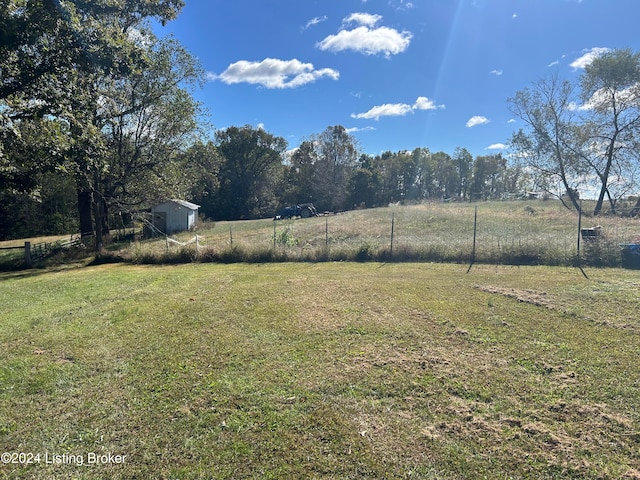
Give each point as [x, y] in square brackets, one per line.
[533, 297]
[571, 305]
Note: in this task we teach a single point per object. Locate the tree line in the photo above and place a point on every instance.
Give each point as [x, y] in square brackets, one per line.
[98, 121]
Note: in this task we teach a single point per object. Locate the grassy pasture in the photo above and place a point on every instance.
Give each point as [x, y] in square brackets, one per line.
[508, 233]
[514, 232]
[321, 370]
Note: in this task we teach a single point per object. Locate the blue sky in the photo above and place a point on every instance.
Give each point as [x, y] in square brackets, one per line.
[397, 74]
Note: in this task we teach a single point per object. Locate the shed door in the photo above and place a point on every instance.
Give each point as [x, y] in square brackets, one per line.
[160, 221]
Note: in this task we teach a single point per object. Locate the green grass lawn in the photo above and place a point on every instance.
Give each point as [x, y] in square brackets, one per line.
[328, 370]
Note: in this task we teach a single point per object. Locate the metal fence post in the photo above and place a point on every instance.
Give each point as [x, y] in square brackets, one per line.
[393, 218]
[326, 232]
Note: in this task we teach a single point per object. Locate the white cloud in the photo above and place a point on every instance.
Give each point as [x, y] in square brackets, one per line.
[386, 110]
[511, 120]
[497, 146]
[368, 19]
[273, 73]
[401, 5]
[588, 57]
[397, 109]
[366, 38]
[477, 120]
[423, 103]
[602, 99]
[315, 21]
[496, 72]
[357, 129]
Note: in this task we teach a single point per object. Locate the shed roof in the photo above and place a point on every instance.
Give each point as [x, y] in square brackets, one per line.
[183, 203]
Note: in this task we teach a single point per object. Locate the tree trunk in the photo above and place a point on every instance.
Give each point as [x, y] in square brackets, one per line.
[612, 202]
[98, 215]
[598, 208]
[106, 233]
[604, 178]
[86, 218]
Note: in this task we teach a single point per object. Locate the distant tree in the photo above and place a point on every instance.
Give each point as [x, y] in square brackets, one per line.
[424, 183]
[365, 184]
[463, 163]
[444, 175]
[336, 154]
[201, 165]
[299, 185]
[489, 177]
[396, 170]
[251, 164]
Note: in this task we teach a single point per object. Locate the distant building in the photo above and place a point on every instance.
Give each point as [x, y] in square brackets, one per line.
[174, 216]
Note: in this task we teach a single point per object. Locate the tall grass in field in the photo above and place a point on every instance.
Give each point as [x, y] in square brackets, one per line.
[514, 233]
[510, 233]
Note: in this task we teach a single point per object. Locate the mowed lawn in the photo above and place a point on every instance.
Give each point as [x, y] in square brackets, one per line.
[331, 370]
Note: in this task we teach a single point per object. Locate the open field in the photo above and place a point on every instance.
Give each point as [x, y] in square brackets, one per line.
[508, 233]
[514, 232]
[327, 370]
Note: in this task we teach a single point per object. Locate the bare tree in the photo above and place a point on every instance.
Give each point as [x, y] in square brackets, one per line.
[549, 143]
[611, 97]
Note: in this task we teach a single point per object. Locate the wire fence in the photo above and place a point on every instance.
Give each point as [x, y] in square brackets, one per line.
[517, 234]
[511, 233]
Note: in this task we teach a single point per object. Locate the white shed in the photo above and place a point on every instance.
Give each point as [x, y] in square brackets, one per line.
[175, 216]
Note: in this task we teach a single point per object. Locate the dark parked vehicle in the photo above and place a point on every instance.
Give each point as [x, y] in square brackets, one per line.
[304, 210]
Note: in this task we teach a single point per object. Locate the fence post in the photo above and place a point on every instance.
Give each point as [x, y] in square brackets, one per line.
[475, 229]
[579, 232]
[274, 236]
[326, 232]
[579, 259]
[27, 254]
[230, 235]
[393, 218]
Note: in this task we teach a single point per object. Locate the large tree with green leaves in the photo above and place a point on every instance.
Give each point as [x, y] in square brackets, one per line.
[150, 118]
[463, 164]
[56, 60]
[337, 154]
[298, 183]
[45, 44]
[251, 166]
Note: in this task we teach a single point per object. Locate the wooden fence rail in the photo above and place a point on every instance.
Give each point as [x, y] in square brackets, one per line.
[37, 251]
